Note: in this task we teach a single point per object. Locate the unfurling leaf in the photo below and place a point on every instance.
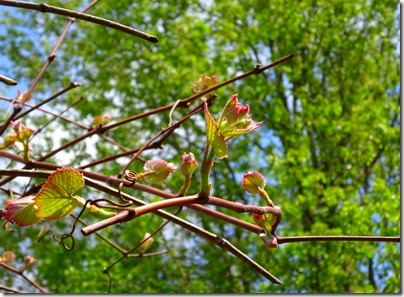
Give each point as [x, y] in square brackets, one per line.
[9, 140]
[20, 96]
[21, 211]
[265, 221]
[213, 136]
[7, 256]
[204, 82]
[253, 182]
[156, 170]
[235, 119]
[56, 199]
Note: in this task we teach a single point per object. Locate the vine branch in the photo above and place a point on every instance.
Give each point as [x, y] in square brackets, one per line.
[45, 8]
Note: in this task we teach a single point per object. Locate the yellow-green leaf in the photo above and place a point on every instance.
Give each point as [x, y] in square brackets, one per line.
[56, 199]
[213, 136]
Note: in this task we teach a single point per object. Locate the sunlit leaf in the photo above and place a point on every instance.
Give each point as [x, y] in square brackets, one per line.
[253, 182]
[56, 199]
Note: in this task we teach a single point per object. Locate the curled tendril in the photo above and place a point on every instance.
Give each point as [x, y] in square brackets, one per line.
[70, 234]
[95, 202]
[129, 176]
[62, 242]
[48, 232]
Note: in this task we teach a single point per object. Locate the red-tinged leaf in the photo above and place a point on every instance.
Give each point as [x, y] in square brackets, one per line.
[7, 256]
[265, 221]
[213, 136]
[21, 211]
[235, 119]
[157, 170]
[253, 182]
[56, 199]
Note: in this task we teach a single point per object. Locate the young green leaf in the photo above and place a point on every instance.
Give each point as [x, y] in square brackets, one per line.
[157, 170]
[56, 199]
[213, 135]
[253, 182]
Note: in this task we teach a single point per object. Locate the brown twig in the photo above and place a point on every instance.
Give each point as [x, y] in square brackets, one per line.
[49, 60]
[7, 80]
[282, 240]
[45, 8]
[10, 290]
[183, 275]
[72, 85]
[49, 112]
[171, 127]
[21, 273]
[147, 254]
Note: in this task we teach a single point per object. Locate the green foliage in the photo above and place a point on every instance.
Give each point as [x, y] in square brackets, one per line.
[328, 146]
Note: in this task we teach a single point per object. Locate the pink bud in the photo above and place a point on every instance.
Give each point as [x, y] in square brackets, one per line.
[28, 262]
[189, 164]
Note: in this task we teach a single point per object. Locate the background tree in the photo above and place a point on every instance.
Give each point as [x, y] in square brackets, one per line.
[328, 145]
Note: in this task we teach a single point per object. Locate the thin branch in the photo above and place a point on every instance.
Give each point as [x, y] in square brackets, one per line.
[114, 245]
[45, 66]
[10, 290]
[7, 80]
[45, 8]
[171, 127]
[56, 116]
[147, 254]
[21, 273]
[72, 85]
[282, 240]
[183, 275]
[49, 112]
